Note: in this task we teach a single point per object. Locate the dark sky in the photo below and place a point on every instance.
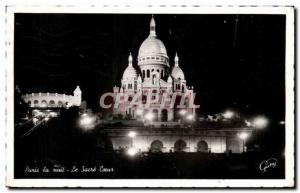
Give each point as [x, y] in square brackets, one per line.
[233, 61]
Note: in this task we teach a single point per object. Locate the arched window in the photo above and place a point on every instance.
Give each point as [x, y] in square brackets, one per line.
[59, 104]
[164, 115]
[51, 103]
[44, 103]
[202, 146]
[143, 74]
[35, 103]
[148, 73]
[162, 74]
[154, 79]
[156, 146]
[180, 145]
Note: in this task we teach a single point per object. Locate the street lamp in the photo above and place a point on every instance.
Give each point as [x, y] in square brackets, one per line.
[182, 112]
[228, 114]
[87, 121]
[139, 112]
[132, 151]
[132, 135]
[260, 122]
[190, 117]
[243, 136]
[149, 117]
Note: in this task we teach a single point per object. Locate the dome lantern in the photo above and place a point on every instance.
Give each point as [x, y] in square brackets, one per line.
[130, 59]
[152, 27]
[176, 60]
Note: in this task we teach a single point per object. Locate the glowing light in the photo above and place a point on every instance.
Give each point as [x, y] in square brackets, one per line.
[40, 114]
[132, 134]
[243, 135]
[87, 121]
[282, 122]
[35, 121]
[228, 114]
[139, 112]
[132, 151]
[47, 119]
[149, 116]
[260, 122]
[35, 111]
[190, 117]
[182, 112]
[248, 123]
[53, 114]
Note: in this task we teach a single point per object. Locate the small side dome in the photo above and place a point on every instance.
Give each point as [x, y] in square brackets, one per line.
[152, 46]
[130, 72]
[177, 73]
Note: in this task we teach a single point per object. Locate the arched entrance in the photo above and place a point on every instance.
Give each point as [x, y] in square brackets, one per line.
[36, 103]
[164, 115]
[60, 104]
[44, 103]
[180, 145]
[202, 146]
[51, 103]
[155, 115]
[156, 146]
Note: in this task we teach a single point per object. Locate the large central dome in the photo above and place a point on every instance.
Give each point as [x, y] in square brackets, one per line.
[153, 50]
[152, 45]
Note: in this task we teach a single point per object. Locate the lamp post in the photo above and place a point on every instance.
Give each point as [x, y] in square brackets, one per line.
[259, 123]
[131, 151]
[132, 135]
[243, 136]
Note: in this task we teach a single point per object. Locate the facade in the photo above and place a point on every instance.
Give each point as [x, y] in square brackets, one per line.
[167, 131]
[179, 140]
[53, 100]
[153, 81]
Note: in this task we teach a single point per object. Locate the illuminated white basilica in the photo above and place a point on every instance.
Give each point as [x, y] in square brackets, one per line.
[171, 129]
[155, 75]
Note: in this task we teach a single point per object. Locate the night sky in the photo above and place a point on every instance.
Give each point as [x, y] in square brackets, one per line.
[233, 61]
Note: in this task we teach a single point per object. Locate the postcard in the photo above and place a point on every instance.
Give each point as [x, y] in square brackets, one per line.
[150, 96]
